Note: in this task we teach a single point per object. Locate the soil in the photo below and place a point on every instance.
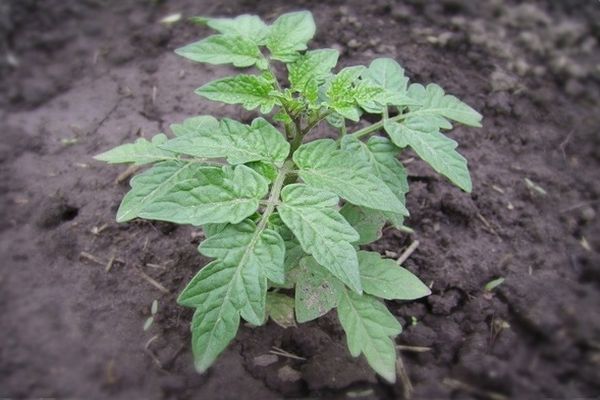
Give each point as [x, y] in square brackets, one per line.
[78, 77]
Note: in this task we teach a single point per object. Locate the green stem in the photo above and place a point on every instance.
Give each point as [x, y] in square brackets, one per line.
[378, 125]
[274, 195]
[296, 142]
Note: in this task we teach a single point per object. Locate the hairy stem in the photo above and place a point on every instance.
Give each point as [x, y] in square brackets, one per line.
[274, 195]
[378, 125]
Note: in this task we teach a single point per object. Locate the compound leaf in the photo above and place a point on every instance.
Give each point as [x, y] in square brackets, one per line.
[341, 92]
[224, 49]
[140, 152]
[369, 328]
[152, 184]
[316, 290]
[216, 319]
[384, 278]
[281, 309]
[211, 195]
[196, 125]
[235, 141]
[435, 148]
[244, 244]
[250, 27]
[314, 66]
[433, 101]
[251, 91]
[324, 166]
[321, 230]
[289, 34]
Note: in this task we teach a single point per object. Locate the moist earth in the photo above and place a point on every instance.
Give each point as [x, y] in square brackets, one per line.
[79, 77]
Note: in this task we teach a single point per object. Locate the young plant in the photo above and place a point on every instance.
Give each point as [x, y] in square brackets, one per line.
[284, 216]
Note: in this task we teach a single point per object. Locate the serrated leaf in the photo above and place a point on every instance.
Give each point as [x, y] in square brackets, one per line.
[235, 141]
[152, 184]
[281, 309]
[196, 125]
[249, 27]
[324, 166]
[435, 148]
[369, 328]
[251, 91]
[289, 34]
[388, 75]
[243, 244]
[384, 278]
[367, 222]
[381, 154]
[224, 49]
[210, 195]
[321, 230]
[312, 67]
[140, 152]
[341, 92]
[316, 291]
[216, 319]
[433, 101]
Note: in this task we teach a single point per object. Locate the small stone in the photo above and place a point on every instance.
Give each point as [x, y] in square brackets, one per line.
[353, 44]
[588, 214]
[289, 374]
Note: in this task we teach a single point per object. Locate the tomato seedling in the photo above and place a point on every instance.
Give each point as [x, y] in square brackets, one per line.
[284, 215]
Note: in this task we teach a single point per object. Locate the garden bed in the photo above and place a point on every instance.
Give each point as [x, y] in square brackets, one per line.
[79, 77]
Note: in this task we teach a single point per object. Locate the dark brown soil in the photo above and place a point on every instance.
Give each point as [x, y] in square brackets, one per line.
[78, 77]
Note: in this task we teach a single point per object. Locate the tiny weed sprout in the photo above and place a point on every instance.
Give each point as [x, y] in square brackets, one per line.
[284, 215]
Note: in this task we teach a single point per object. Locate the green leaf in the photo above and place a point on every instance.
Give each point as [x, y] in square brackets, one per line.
[235, 141]
[388, 75]
[369, 327]
[316, 291]
[341, 92]
[211, 195]
[324, 166]
[251, 91]
[139, 153]
[212, 229]
[321, 230]
[152, 184]
[435, 148]
[384, 278]
[267, 170]
[289, 34]
[381, 154]
[314, 66]
[244, 244]
[224, 49]
[367, 222]
[250, 27]
[369, 97]
[433, 101]
[281, 309]
[196, 125]
[216, 319]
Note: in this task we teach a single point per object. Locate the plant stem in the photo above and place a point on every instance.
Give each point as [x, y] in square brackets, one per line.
[378, 125]
[296, 142]
[274, 195]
